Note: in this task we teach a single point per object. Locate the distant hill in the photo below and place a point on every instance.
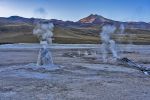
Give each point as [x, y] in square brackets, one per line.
[94, 19]
[97, 19]
[16, 29]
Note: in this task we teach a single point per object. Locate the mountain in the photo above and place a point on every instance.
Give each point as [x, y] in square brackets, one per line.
[16, 29]
[88, 21]
[95, 19]
[15, 20]
[100, 20]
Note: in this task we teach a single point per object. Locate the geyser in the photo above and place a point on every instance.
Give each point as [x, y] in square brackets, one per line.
[122, 29]
[107, 43]
[43, 31]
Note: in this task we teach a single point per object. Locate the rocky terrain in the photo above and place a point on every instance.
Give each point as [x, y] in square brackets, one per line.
[82, 75]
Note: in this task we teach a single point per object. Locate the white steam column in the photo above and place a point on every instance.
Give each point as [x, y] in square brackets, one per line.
[122, 29]
[107, 43]
[44, 32]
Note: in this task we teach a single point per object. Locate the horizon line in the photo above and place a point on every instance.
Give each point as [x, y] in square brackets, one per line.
[71, 20]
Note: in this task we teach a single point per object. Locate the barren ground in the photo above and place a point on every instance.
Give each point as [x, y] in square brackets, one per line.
[82, 77]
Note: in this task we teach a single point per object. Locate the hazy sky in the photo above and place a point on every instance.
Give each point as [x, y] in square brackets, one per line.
[121, 10]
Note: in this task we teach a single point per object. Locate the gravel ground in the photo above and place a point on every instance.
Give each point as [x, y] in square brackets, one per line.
[81, 77]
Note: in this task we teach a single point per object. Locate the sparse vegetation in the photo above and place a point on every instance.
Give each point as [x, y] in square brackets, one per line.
[22, 33]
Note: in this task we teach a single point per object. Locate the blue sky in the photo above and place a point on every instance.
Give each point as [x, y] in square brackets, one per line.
[120, 10]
